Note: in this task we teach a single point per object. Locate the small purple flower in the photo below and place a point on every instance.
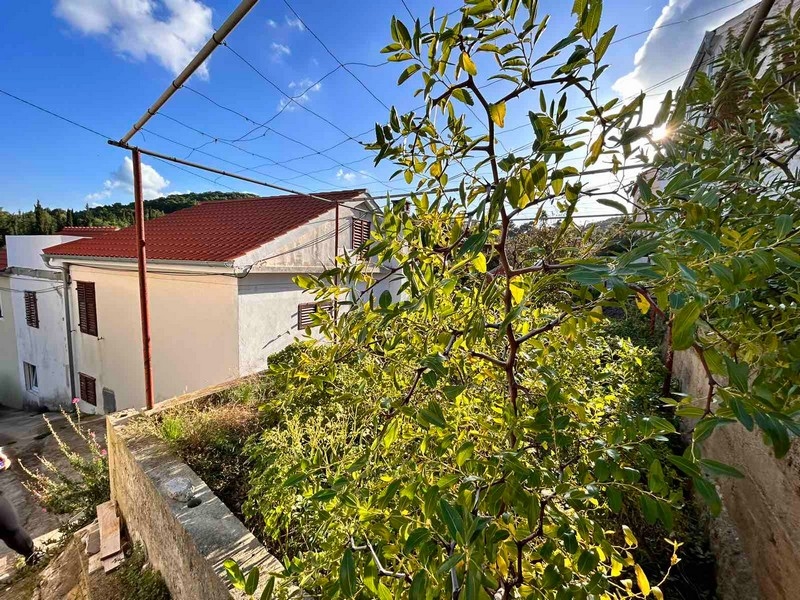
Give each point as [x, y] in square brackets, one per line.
[103, 452]
[76, 400]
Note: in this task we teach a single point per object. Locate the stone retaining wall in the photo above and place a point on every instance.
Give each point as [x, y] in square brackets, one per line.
[764, 507]
[152, 488]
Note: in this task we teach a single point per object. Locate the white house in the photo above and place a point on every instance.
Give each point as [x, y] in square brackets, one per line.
[36, 335]
[10, 388]
[220, 287]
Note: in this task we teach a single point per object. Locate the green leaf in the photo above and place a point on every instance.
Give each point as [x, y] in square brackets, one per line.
[603, 44]
[738, 374]
[684, 325]
[464, 96]
[685, 465]
[409, 71]
[783, 225]
[613, 204]
[739, 410]
[432, 415]
[347, 574]
[788, 256]
[708, 492]
[498, 113]
[251, 585]
[452, 392]
[415, 539]
[592, 20]
[269, 589]
[451, 517]
[450, 563]
[419, 586]
[655, 477]
[464, 453]
[709, 241]
[718, 468]
[234, 573]
[663, 112]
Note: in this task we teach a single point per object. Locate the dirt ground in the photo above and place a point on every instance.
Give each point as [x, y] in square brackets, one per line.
[23, 436]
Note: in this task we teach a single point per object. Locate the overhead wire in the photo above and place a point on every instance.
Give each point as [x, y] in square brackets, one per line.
[333, 56]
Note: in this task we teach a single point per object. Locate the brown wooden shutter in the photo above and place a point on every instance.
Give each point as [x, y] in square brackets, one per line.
[359, 232]
[31, 309]
[88, 389]
[304, 312]
[87, 307]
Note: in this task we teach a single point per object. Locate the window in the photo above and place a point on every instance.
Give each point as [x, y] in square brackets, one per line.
[88, 389]
[304, 312]
[31, 378]
[359, 232]
[31, 309]
[87, 307]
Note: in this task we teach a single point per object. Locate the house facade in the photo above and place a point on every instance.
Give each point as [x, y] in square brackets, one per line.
[10, 389]
[220, 287]
[35, 334]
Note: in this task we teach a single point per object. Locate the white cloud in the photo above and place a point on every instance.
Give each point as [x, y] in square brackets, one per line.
[153, 184]
[669, 50]
[306, 87]
[346, 175]
[169, 31]
[272, 23]
[280, 50]
[295, 23]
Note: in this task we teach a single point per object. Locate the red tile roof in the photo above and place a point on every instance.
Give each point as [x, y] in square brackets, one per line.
[87, 231]
[216, 231]
[3, 259]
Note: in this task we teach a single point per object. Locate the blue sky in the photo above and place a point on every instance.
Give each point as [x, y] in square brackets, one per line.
[102, 62]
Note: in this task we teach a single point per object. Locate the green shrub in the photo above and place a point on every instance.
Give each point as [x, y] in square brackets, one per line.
[79, 490]
[139, 581]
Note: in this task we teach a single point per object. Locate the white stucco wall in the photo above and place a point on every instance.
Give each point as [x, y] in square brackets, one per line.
[267, 317]
[25, 251]
[194, 331]
[307, 248]
[44, 347]
[10, 387]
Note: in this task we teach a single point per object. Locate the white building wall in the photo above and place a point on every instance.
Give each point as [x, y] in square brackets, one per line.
[267, 317]
[44, 347]
[25, 251]
[194, 333]
[10, 387]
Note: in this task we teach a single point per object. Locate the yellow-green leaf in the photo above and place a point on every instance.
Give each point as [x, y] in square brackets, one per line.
[642, 303]
[479, 262]
[630, 539]
[641, 580]
[517, 292]
[467, 64]
[498, 113]
[657, 593]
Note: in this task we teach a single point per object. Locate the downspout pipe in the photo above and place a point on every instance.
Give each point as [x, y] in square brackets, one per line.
[68, 322]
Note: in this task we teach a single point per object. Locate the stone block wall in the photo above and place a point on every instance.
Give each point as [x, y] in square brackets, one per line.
[188, 545]
[764, 507]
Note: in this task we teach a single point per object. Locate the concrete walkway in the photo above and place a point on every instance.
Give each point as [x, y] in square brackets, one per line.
[23, 436]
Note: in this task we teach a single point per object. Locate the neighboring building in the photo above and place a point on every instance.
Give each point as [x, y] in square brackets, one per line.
[220, 287]
[10, 388]
[715, 41]
[36, 309]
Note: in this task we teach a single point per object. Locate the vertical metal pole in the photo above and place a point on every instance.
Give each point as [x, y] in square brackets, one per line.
[141, 255]
[335, 255]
